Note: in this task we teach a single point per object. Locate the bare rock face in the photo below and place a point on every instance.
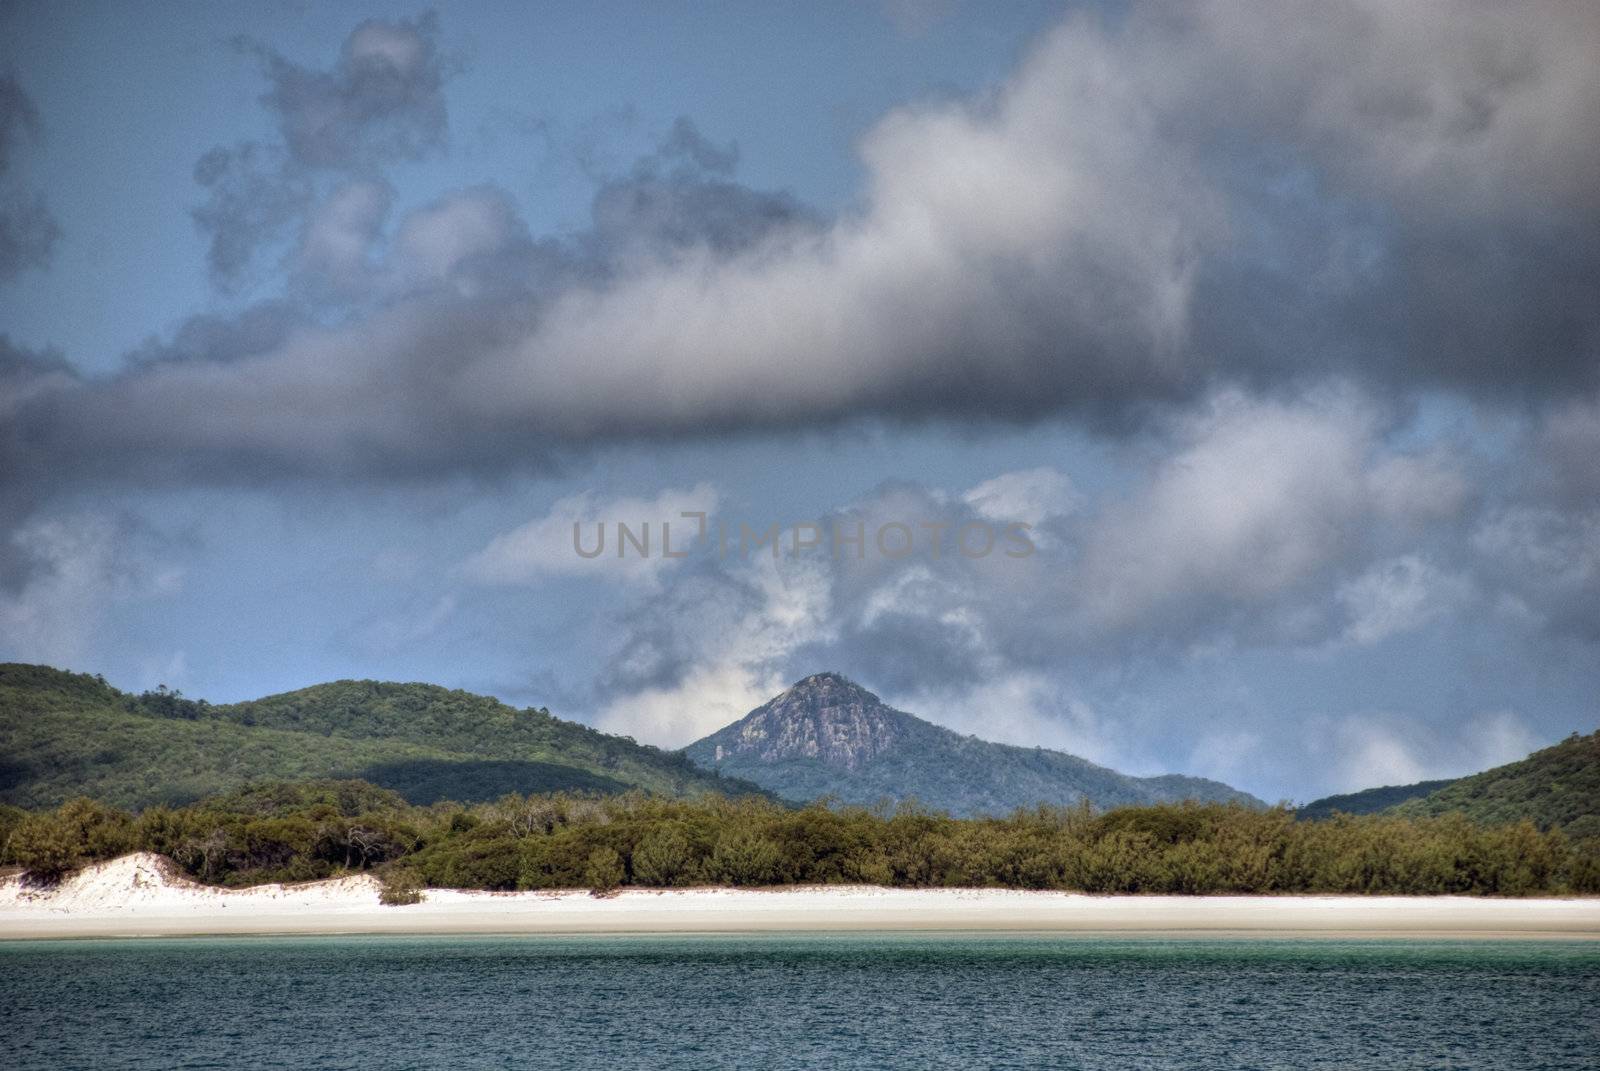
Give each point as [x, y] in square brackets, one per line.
[823, 717]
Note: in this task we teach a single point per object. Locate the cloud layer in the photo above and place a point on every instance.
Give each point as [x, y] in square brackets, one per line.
[1142, 211]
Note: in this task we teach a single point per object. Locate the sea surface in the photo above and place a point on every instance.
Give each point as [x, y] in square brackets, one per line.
[815, 1001]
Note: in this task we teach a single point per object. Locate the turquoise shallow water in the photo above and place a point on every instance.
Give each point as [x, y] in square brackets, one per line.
[839, 1001]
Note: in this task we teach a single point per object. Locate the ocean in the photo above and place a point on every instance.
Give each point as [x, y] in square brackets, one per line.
[813, 1001]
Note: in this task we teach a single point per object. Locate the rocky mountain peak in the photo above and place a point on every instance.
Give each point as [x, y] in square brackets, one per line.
[827, 736]
[825, 716]
[827, 686]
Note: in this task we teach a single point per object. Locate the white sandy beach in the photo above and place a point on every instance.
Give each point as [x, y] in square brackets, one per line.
[139, 895]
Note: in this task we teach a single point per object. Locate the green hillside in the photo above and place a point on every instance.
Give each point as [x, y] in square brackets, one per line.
[1557, 788]
[68, 734]
[1369, 800]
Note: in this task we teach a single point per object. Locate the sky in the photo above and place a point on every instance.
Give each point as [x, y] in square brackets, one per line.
[1272, 329]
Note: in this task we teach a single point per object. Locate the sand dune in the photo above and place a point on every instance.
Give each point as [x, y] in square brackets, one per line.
[141, 895]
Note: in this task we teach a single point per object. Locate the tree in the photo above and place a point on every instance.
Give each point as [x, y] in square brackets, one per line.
[742, 857]
[663, 858]
[45, 848]
[603, 872]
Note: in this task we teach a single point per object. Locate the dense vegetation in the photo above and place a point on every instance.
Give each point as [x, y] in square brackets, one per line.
[67, 734]
[1557, 788]
[1370, 800]
[296, 832]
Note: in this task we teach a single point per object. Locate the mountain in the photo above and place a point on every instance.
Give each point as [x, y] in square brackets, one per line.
[1557, 788]
[1369, 800]
[828, 736]
[68, 734]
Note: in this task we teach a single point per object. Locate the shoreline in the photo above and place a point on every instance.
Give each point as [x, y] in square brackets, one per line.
[141, 896]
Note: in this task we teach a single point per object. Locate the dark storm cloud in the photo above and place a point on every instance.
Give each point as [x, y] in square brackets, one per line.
[27, 229]
[25, 474]
[1198, 197]
[20, 365]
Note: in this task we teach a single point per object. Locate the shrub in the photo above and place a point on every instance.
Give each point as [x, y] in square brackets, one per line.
[664, 858]
[744, 858]
[45, 848]
[603, 871]
[401, 886]
[50, 846]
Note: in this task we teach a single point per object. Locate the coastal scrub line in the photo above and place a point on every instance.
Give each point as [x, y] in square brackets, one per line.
[311, 830]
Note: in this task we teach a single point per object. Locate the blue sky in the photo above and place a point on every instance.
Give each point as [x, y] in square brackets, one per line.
[322, 324]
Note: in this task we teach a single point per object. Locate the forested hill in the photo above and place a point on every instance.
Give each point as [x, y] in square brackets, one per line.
[1557, 788]
[68, 734]
[1369, 800]
[828, 736]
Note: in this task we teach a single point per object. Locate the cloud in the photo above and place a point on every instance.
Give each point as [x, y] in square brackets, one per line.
[335, 249]
[251, 332]
[682, 197]
[1259, 504]
[25, 372]
[468, 241]
[710, 647]
[1286, 534]
[1268, 528]
[1397, 596]
[83, 564]
[28, 230]
[583, 535]
[252, 194]
[1026, 708]
[1075, 243]
[381, 102]
[1544, 564]
[1569, 444]
[1033, 496]
[25, 477]
[441, 241]
[706, 700]
[1368, 750]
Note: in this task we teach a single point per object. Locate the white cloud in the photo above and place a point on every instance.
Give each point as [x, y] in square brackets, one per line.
[562, 541]
[1369, 750]
[84, 564]
[1418, 488]
[336, 242]
[433, 241]
[1397, 596]
[1259, 496]
[704, 701]
[733, 655]
[1545, 565]
[1031, 496]
[1026, 708]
